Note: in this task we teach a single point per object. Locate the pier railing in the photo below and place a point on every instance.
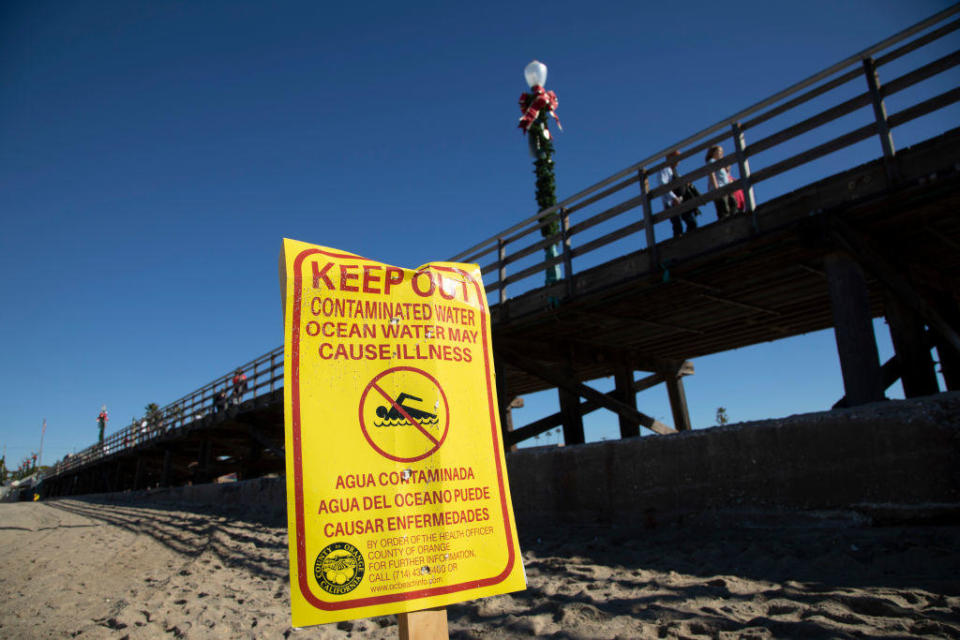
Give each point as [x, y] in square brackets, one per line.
[830, 112]
[813, 120]
[263, 376]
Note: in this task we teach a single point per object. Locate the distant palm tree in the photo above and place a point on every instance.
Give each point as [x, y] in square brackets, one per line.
[153, 416]
[722, 418]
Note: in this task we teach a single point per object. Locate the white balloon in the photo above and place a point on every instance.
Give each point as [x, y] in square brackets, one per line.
[535, 73]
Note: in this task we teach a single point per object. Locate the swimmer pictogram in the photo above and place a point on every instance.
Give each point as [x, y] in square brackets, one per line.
[404, 414]
[398, 413]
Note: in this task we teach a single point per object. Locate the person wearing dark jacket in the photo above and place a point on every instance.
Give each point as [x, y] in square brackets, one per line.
[678, 195]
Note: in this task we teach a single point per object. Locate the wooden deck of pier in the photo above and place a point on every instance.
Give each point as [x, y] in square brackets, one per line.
[730, 285]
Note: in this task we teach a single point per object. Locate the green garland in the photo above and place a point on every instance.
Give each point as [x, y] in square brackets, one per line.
[542, 146]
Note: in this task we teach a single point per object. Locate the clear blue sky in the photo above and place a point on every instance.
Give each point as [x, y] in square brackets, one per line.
[155, 153]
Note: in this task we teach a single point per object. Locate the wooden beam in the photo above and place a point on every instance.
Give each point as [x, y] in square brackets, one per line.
[811, 123]
[249, 462]
[600, 195]
[678, 403]
[623, 382]
[912, 348]
[840, 142]
[920, 109]
[607, 214]
[506, 427]
[567, 252]
[949, 358]
[571, 418]
[105, 479]
[922, 73]
[853, 329]
[880, 115]
[648, 216]
[538, 267]
[543, 425]
[743, 162]
[202, 470]
[165, 474]
[117, 477]
[872, 259]
[573, 386]
[139, 474]
[537, 427]
[889, 373]
[505, 403]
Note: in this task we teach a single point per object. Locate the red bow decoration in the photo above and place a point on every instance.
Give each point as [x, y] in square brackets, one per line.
[532, 103]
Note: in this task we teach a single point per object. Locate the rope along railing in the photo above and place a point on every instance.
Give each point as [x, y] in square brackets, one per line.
[630, 189]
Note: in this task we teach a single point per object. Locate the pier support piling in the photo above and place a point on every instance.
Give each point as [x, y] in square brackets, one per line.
[853, 329]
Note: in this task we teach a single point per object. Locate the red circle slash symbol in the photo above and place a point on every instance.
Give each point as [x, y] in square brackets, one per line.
[404, 414]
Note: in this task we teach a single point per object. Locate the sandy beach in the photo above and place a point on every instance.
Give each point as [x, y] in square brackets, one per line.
[75, 569]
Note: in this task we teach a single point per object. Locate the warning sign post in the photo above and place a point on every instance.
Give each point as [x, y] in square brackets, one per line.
[397, 493]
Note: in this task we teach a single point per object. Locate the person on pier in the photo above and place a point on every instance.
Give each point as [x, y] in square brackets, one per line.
[239, 385]
[678, 195]
[729, 203]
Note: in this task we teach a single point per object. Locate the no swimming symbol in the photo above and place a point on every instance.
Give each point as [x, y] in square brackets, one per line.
[404, 414]
[399, 414]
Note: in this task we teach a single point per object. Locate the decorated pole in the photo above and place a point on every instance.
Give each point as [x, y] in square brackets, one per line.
[536, 106]
[102, 418]
[43, 432]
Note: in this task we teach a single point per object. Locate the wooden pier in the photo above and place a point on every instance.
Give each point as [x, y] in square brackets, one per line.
[881, 238]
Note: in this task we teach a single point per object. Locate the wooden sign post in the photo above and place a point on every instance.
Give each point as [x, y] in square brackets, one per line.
[428, 624]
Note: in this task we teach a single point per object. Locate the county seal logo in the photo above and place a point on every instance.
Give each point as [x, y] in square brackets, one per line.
[339, 568]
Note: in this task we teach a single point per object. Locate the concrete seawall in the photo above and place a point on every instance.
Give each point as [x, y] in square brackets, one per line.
[900, 452]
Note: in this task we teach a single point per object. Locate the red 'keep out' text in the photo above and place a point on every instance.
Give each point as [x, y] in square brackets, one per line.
[376, 279]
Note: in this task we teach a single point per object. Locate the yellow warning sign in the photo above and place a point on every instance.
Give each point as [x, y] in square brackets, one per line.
[397, 492]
